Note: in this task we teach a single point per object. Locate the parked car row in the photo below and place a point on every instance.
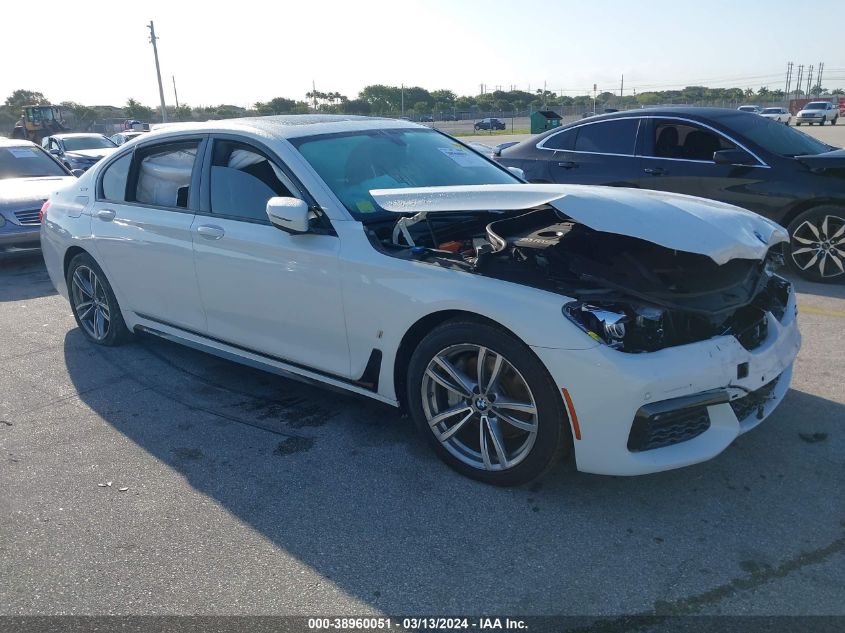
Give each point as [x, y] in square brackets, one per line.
[731, 156]
[819, 112]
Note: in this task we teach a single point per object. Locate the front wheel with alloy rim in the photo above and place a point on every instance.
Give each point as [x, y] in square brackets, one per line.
[817, 244]
[486, 403]
[93, 302]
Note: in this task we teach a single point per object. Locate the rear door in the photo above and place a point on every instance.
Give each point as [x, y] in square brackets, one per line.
[598, 153]
[264, 289]
[141, 224]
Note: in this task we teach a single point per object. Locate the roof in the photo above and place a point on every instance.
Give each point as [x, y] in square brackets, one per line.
[292, 126]
[548, 114]
[75, 134]
[14, 142]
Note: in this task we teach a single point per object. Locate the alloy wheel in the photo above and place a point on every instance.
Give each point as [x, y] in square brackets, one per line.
[479, 407]
[90, 302]
[818, 245]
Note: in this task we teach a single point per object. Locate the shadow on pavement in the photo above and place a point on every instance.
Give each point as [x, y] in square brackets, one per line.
[23, 276]
[346, 487]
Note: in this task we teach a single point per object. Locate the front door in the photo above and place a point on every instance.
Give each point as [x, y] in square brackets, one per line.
[264, 289]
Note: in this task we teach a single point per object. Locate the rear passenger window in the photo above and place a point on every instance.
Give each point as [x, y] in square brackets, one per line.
[608, 137]
[164, 175]
[114, 179]
[243, 180]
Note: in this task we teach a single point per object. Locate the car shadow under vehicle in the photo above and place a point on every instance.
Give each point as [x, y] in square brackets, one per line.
[23, 276]
[347, 487]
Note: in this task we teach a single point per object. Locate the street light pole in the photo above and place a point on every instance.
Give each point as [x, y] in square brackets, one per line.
[153, 39]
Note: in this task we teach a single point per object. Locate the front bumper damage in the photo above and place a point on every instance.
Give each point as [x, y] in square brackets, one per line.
[704, 395]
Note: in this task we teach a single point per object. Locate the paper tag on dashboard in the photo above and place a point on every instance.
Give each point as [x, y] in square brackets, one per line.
[462, 158]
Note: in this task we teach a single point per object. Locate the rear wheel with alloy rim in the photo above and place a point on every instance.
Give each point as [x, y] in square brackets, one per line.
[93, 302]
[817, 244]
[486, 403]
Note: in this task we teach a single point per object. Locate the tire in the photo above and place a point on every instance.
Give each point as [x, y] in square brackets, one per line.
[834, 121]
[103, 323]
[822, 122]
[797, 124]
[817, 244]
[514, 454]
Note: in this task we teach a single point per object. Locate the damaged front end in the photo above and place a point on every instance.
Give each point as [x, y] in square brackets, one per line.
[627, 292]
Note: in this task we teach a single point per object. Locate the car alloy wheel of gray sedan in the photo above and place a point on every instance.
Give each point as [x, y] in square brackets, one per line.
[479, 407]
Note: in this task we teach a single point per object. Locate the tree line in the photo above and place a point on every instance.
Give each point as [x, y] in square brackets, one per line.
[380, 99]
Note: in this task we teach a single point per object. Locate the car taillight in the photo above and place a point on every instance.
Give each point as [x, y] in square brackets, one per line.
[43, 210]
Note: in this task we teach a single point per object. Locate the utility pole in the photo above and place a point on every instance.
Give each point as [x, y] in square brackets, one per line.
[810, 80]
[153, 39]
[798, 82]
[788, 81]
[175, 94]
[594, 98]
[403, 99]
[819, 80]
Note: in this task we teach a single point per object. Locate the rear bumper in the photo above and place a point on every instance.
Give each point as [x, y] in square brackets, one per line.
[609, 388]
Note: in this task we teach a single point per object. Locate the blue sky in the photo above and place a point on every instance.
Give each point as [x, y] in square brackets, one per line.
[101, 54]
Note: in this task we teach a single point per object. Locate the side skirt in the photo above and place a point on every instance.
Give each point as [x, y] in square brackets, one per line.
[270, 364]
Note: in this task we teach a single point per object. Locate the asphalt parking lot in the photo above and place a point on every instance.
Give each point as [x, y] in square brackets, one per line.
[153, 479]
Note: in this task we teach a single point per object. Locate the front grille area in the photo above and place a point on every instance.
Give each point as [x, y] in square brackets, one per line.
[748, 405]
[28, 218]
[665, 429]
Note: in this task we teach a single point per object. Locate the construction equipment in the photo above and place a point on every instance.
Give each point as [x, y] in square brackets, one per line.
[38, 121]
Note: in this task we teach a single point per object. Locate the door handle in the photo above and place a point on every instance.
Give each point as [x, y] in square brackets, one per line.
[210, 232]
[655, 171]
[568, 164]
[105, 214]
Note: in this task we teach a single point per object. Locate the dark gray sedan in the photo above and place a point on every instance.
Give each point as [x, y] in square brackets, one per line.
[28, 175]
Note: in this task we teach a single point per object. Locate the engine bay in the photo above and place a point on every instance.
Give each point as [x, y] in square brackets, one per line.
[630, 294]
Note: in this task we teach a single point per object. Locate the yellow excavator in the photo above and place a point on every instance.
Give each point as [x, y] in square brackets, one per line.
[38, 121]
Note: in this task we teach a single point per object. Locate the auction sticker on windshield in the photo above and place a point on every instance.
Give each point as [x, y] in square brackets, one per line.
[462, 158]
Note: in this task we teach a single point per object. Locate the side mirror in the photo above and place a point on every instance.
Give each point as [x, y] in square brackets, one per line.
[733, 157]
[516, 171]
[55, 152]
[77, 172]
[288, 214]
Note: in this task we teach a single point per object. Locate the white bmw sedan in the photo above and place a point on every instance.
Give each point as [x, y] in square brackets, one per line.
[515, 323]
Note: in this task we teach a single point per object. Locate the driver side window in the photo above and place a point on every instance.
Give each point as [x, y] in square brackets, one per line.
[685, 141]
[243, 180]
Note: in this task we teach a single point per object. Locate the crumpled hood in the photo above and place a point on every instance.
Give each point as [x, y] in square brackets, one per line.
[17, 191]
[719, 231]
[97, 153]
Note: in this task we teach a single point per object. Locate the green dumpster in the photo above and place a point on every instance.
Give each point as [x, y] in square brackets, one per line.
[543, 120]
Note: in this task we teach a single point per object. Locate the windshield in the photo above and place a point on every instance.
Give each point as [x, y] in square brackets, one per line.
[771, 111]
[74, 143]
[27, 162]
[352, 164]
[775, 137]
[816, 105]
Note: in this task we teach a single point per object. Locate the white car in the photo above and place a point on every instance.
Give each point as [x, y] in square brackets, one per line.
[515, 323]
[818, 112]
[779, 115]
[754, 109]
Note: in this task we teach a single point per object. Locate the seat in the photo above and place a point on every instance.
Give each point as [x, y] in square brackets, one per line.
[700, 145]
[667, 143]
